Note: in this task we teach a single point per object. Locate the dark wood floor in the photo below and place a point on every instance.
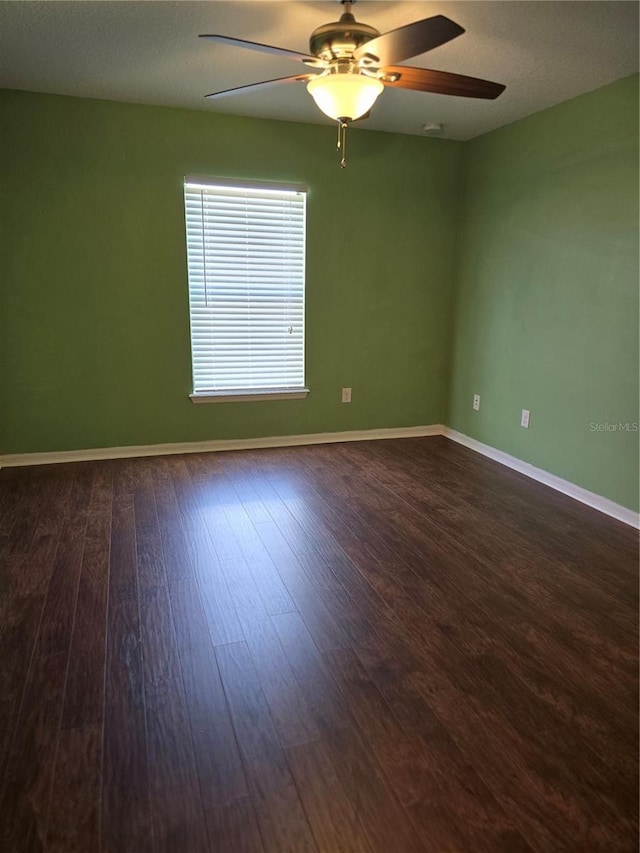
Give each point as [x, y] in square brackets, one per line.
[379, 647]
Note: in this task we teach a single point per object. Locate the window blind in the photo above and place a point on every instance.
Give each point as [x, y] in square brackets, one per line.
[246, 262]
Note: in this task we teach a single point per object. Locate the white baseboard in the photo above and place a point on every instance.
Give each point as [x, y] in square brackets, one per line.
[14, 460]
[598, 502]
[604, 505]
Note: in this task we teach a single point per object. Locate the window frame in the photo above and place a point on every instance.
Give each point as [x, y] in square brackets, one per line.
[256, 393]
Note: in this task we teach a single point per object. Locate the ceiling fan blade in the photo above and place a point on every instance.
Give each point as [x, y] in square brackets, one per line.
[297, 78]
[410, 40]
[266, 48]
[440, 82]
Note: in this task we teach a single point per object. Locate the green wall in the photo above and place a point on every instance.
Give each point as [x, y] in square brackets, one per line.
[547, 290]
[536, 224]
[94, 329]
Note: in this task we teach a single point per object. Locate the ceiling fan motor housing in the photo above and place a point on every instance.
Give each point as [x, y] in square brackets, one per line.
[339, 39]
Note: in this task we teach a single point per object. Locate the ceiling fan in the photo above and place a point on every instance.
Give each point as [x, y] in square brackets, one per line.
[355, 62]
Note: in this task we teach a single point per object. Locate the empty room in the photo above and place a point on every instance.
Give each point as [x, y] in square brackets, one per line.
[319, 421]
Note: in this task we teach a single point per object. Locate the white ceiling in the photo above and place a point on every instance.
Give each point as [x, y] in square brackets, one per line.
[148, 52]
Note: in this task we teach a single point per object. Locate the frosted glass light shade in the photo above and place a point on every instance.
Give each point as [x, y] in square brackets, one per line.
[344, 95]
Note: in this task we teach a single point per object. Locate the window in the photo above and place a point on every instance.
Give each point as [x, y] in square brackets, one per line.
[246, 260]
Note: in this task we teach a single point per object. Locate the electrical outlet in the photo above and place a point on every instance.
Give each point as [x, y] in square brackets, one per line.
[476, 402]
[346, 395]
[524, 420]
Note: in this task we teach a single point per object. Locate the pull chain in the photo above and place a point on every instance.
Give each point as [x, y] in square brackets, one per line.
[342, 142]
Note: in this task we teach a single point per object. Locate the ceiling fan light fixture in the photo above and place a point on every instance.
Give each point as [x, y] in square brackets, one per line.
[344, 96]
[358, 62]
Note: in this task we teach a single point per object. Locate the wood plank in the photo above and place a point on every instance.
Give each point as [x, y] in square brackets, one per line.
[322, 696]
[74, 482]
[101, 496]
[19, 630]
[174, 543]
[84, 691]
[247, 495]
[293, 721]
[149, 551]
[160, 651]
[57, 620]
[218, 761]
[29, 574]
[383, 817]
[126, 816]
[234, 828]
[122, 558]
[216, 598]
[320, 623]
[333, 816]
[176, 806]
[175, 802]
[30, 765]
[24, 581]
[13, 511]
[205, 493]
[39, 496]
[280, 814]
[386, 823]
[24, 804]
[74, 816]
[12, 485]
[288, 708]
[268, 582]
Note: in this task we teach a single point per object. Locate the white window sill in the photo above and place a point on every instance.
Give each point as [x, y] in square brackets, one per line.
[246, 395]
